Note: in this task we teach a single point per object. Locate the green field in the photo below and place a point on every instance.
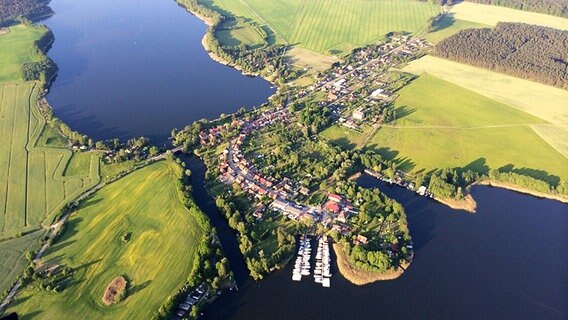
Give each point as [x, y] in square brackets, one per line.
[157, 259]
[448, 26]
[16, 49]
[331, 26]
[33, 187]
[545, 102]
[11, 252]
[491, 15]
[345, 137]
[234, 33]
[444, 125]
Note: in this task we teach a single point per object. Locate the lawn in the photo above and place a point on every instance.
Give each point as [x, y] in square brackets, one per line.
[545, 102]
[332, 27]
[345, 137]
[79, 164]
[16, 49]
[157, 259]
[445, 125]
[491, 15]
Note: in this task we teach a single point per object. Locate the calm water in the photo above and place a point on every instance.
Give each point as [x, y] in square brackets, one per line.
[508, 261]
[136, 67]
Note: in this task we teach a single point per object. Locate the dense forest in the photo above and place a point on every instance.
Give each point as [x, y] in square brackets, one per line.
[30, 9]
[522, 50]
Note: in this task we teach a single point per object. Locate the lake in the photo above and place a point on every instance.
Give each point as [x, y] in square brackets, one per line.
[131, 68]
[507, 261]
[137, 67]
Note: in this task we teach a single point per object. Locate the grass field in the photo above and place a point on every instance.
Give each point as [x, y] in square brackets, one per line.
[444, 125]
[345, 137]
[448, 26]
[545, 102]
[233, 33]
[331, 26]
[157, 259]
[555, 135]
[16, 49]
[490, 15]
[11, 252]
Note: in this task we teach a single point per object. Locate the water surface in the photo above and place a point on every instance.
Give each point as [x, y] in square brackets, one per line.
[137, 67]
[507, 261]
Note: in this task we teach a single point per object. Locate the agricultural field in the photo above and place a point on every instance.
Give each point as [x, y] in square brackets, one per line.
[542, 101]
[491, 15]
[33, 159]
[162, 238]
[445, 125]
[332, 27]
[16, 49]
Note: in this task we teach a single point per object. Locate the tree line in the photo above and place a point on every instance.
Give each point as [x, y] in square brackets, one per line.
[10, 10]
[522, 50]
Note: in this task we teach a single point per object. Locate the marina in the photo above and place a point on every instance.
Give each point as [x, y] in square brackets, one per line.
[302, 264]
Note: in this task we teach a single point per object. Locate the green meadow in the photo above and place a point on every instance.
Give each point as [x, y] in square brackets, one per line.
[444, 125]
[157, 259]
[16, 48]
[332, 27]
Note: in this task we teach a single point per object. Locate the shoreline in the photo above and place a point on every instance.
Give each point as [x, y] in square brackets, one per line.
[217, 58]
[469, 204]
[361, 277]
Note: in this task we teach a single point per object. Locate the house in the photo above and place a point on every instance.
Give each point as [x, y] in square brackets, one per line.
[358, 114]
[360, 239]
[259, 211]
[279, 204]
[342, 217]
[305, 191]
[422, 190]
[332, 206]
[334, 197]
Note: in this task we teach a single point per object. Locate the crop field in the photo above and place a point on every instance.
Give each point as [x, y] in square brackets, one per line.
[545, 102]
[157, 258]
[444, 125]
[555, 135]
[15, 50]
[32, 181]
[333, 27]
[490, 15]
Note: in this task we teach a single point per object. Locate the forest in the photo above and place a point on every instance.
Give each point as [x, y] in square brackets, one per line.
[521, 50]
[30, 9]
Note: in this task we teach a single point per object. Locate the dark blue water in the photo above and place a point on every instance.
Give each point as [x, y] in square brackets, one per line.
[507, 261]
[137, 67]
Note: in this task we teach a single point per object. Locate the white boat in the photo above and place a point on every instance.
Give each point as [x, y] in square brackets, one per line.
[326, 282]
[296, 277]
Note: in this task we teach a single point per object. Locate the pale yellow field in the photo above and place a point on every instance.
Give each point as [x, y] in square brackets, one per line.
[490, 15]
[555, 135]
[546, 102]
